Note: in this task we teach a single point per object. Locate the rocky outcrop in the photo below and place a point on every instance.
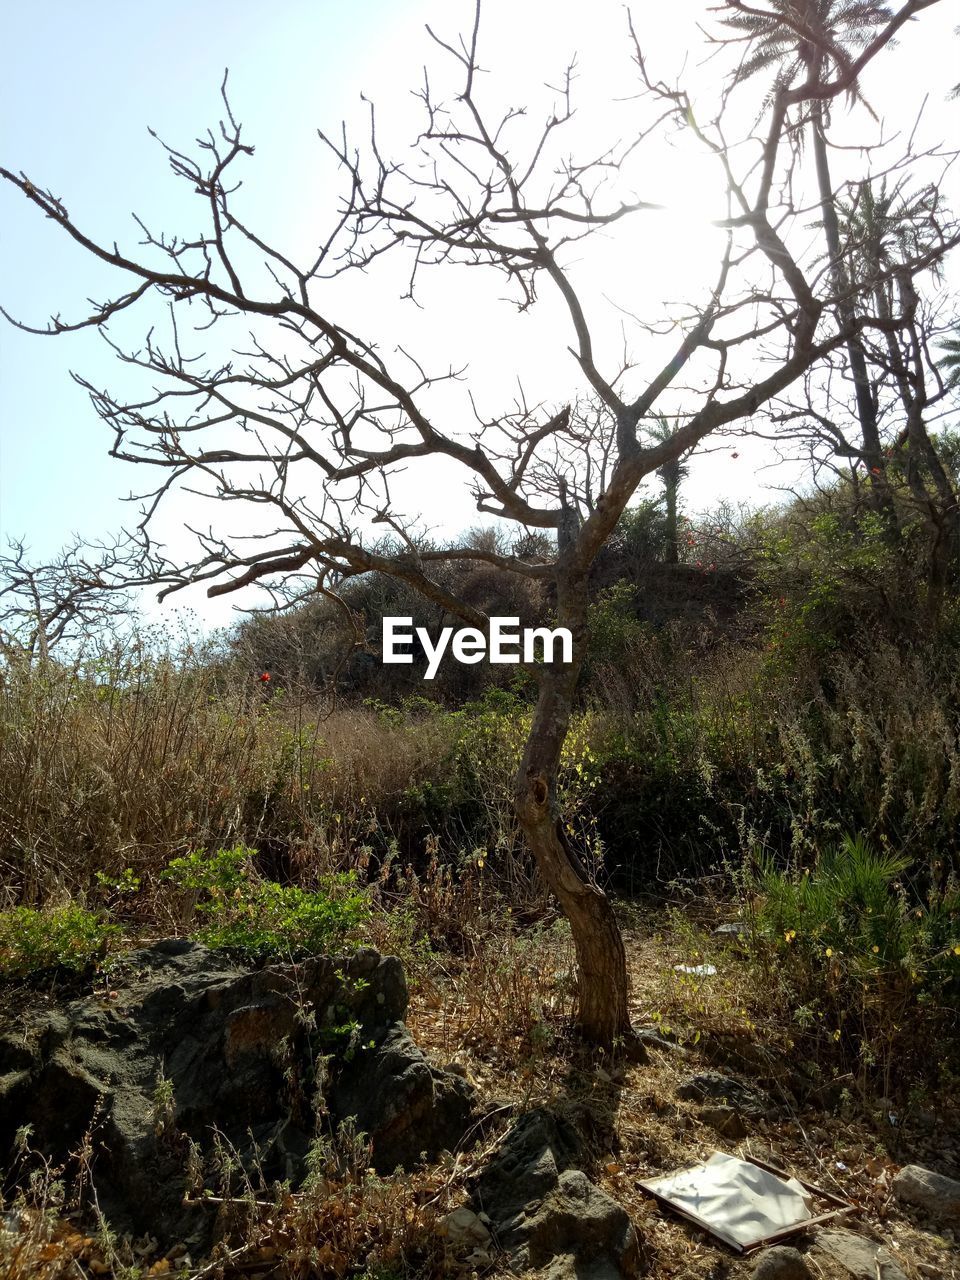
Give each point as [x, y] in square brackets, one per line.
[711, 1087]
[408, 1108]
[934, 1194]
[726, 1103]
[546, 1213]
[189, 1043]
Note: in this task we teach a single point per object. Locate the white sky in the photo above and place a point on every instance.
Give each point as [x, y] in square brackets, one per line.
[83, 82]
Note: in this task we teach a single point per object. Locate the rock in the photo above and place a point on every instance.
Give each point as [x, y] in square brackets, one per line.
[713, 1087]
[193, 1042]
[462, 1228]
[661, 1033]
[566, 1267]
[653, 1038]
[404, 1105]
[781, 1263]
[732, 931]
[526, 1165]
[861, 1258]
[579, 1219]
[547, 1213]
[923, 1121]
[937, 1195]
[727, 1121]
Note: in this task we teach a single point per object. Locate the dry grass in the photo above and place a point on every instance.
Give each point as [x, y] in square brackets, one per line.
[130, 761]
[486, 1008]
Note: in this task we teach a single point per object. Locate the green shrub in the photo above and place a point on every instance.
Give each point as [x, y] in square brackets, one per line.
[68, 937]
[868, 966]
[246, 913]
[849, 903]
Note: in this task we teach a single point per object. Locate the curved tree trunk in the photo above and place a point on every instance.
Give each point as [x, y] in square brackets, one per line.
[602, 1009]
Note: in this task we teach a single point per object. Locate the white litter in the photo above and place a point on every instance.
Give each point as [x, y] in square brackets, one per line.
[736, 1200]
[698, 970]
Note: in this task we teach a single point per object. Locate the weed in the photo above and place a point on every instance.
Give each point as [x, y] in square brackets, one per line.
[37, 941]
[259, 918]
[872, 969]
[164, 1107]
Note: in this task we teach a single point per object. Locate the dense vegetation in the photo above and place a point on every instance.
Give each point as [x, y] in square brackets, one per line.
[778, 710]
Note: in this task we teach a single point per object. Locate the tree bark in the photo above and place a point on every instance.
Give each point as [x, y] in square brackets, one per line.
[671, 483]
[603, 1015]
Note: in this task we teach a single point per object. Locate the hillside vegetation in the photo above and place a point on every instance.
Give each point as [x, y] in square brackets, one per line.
[779, 695]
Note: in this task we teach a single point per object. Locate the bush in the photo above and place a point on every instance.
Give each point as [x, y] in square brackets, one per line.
[870, 968]
[259, 917]
[70, 937]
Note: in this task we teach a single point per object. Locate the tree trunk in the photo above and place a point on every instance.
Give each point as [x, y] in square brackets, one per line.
[671, 486]
[602, 1012]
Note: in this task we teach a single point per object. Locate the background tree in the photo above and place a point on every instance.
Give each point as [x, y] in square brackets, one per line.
[807, 42]
[67, 599]
[310, 422]
[949, 361]
[881, 226]
[671, 475]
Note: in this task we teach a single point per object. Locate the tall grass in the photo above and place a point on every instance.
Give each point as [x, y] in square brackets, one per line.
[678, 760]
[715, 755]
[131, 760]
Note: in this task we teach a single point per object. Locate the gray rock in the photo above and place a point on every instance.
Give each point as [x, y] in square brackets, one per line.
[526, 1165]
[566, 1267]
[578, 1218]
[861, 1258]
[733, 931]
[665, 1042]
[727, 1121]
[546, 1213]
[462, 1227]
[405, 1106]
[237, 1049]
[937, 1195]
[781, 1263]
[710, 1086]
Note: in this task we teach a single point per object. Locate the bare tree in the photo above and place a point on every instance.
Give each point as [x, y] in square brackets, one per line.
[882, 224]
[311, 422]
[867, 231]
[68, 598]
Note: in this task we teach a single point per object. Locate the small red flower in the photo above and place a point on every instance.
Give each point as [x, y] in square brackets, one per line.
[734, 455]
[874, 471]
[265, 678]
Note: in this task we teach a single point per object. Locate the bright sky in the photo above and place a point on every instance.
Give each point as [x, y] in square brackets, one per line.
[83, 82]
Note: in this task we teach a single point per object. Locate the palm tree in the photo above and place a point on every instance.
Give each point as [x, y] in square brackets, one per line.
[949, 361]
[671, 474]
[806, 41]
[882, 228]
